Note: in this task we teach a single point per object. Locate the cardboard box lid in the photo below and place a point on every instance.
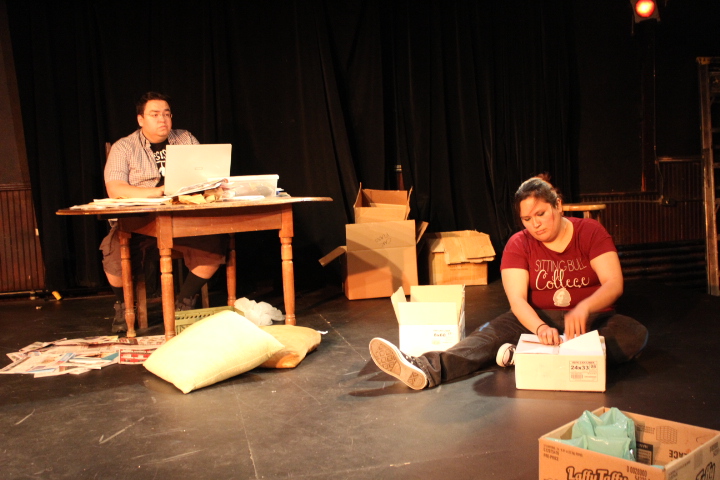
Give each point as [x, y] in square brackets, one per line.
[429, 305]
[462, 246]
[381, 205]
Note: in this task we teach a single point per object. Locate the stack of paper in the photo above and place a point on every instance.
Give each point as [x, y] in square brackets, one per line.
[79, 355]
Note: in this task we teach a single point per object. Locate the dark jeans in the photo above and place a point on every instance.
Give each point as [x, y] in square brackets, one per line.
[625, 338]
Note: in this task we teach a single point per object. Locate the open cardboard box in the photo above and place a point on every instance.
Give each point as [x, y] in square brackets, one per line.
[458, 257]
[380, 257]
[433, 319]
[381, 205]
[575, 365]
[665, 450]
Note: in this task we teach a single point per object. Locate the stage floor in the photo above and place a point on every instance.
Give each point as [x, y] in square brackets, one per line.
[335, 416]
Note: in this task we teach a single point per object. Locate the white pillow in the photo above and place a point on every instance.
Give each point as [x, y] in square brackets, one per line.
[213, 349]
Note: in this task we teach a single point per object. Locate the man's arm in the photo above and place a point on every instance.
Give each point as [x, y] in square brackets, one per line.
[122, 189]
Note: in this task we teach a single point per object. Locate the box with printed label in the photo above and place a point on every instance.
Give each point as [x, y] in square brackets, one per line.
[574, 365]
[666, 450]
[433, 319]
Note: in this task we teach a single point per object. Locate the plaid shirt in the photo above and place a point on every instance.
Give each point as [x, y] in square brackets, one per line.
[132, 160]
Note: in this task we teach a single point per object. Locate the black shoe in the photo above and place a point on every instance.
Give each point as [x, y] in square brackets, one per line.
[506, 355]
[119, 324]
[183, 304]
[393, 362]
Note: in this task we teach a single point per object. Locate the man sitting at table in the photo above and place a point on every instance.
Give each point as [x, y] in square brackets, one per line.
[135, 168]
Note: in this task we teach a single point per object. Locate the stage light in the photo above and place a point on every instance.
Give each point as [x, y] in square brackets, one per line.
[645, 10]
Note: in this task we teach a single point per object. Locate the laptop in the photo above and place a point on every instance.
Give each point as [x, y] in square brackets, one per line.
[187, 165]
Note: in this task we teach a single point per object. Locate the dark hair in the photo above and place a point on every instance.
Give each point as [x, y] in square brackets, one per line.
[142, 101]
[537, 187]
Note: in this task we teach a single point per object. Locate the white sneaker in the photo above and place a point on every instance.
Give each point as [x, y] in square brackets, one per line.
[506, 355]
[393, 362]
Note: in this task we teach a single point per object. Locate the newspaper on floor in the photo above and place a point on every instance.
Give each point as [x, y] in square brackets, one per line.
[80, 355]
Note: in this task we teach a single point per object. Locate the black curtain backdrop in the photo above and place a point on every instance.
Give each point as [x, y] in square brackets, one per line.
[469, 97]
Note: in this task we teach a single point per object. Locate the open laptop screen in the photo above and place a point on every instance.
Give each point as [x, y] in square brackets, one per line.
[187, 165]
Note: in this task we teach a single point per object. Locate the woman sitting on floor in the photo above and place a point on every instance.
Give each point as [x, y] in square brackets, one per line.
[561, 275]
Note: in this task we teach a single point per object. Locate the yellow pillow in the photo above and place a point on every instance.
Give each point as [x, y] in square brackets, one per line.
[213, 349]
[298, 342]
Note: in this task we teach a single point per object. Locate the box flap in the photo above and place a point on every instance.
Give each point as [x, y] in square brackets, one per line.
[396, 298]
[381, 205]
[333, 255]
[429, 304]
[462, 246]
[421, 227]
[380, 235]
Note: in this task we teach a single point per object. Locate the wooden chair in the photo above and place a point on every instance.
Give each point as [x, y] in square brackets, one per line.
[230, 269]
[589, 210]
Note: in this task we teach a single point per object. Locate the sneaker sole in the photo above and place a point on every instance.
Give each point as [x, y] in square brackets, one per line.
[391, 361]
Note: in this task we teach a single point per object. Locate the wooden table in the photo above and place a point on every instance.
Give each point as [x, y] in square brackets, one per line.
[166, 222]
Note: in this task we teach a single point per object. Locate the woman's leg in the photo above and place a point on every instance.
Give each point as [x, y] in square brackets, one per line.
[474, 352]
[625, 337]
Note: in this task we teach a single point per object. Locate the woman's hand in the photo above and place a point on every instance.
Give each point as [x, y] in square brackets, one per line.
[576, 321]
[548, 335]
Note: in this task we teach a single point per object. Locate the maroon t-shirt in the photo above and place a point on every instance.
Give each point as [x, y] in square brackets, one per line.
[559, 280]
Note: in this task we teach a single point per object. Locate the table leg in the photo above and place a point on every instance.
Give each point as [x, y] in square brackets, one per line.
[288, 277]
[127, 279]
[168, 292]
[231, 271]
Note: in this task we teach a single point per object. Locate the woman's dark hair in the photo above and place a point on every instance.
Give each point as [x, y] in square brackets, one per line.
[142, 101]
[537, 187]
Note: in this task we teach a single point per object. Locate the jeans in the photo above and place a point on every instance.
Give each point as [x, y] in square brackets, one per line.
[625, 338]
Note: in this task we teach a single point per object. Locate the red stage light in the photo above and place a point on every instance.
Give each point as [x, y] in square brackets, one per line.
[645, 8]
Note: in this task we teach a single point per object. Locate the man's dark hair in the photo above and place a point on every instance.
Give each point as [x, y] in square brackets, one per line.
[140, 105]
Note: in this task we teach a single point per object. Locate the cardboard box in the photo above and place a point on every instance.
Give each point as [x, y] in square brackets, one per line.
[433, 319]
[575, 365]
[458, 257]
[379, 258]
[666, 450]
[381, 205]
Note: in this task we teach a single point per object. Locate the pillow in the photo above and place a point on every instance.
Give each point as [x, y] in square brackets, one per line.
[298, 342]
[213, 349]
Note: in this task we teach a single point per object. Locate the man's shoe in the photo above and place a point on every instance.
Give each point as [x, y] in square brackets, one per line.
[119, 324]
[393, 362]
[506, 355]
[183, 304]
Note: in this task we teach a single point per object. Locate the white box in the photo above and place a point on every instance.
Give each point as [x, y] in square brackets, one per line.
[433, 319]
[666, 451]
[252, 185]
[575, 365]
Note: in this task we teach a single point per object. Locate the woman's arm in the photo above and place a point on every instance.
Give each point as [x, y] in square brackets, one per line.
[515, 282]
[607, 268]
